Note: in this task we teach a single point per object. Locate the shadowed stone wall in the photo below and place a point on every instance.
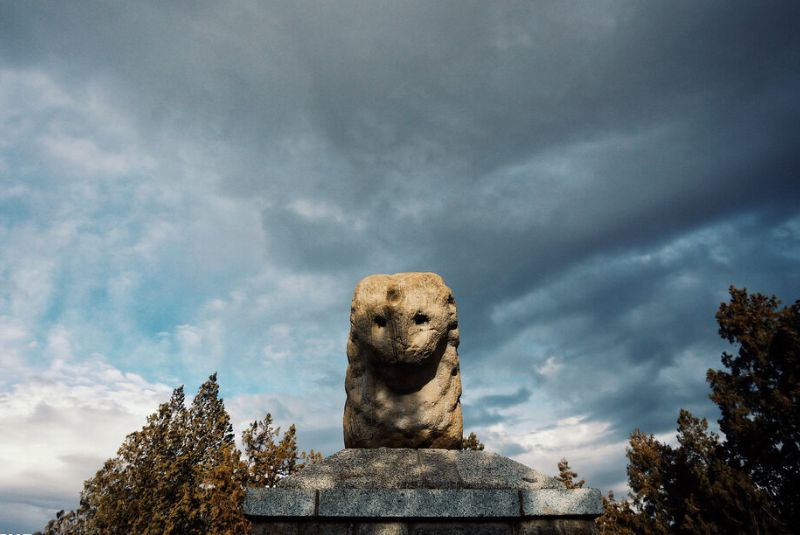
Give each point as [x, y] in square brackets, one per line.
[427, 527]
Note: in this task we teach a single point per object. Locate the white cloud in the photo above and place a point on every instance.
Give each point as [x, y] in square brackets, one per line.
[14, 340]
[589, 446]
[92, 255]
[58, 427]
[80, 135]
[83, 157]
[315, 209]
[17, 114]
[318, 417]
[30, 277]
[550, 367]
[272, 354]
[189, 337]
[59, 346]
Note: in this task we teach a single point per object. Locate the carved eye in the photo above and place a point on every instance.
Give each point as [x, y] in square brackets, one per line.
[380, 321]
[420, 318]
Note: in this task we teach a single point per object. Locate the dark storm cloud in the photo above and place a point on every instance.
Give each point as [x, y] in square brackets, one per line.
[637, 333]
[501, 401]
[671, 118]
[519, 149]
[487, 410]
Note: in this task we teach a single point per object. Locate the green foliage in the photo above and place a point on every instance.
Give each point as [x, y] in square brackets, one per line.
[270, 461]
[182, 473]
[746, 483]
[471, 443]
[759, 396]
[62, 524]
[686, 489]
[567, 476]
[690, 488]
[618, 518]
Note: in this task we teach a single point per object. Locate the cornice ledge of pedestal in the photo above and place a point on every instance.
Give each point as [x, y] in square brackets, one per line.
[424, 483]
[405, 468]
[422, 503]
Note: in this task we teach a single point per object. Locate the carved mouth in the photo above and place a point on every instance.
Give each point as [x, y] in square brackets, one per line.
[412, 369]
[414, 356]
[406, 378]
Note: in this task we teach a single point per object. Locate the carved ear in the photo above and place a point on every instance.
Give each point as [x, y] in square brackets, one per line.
[453, 338]
[393, 294]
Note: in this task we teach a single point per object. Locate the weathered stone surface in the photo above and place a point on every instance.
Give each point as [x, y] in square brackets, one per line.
[439, 469]
[487, 470]
[426, 483]
[423, 503]
[405, 468]
[280, 502]
[418, 503]
[275, 528]
[357, 468]
[403, 379]
[538, 526]
[331, 528]
[382, 528]
[565, 526]
[574, 502]
[462, 528]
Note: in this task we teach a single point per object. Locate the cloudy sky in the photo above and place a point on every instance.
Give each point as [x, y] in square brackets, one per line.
[191, 187]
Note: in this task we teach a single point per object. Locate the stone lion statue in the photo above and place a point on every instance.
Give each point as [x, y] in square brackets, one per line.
[403, 380]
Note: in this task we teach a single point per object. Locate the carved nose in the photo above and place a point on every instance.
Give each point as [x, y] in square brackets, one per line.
[393, 297]
[396, 334]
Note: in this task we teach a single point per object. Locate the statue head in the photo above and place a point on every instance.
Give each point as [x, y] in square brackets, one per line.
[403, 375]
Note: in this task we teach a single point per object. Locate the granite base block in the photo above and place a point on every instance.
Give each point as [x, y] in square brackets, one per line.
[422, 503]
[428, 527]
[421, 492]
[418, 503]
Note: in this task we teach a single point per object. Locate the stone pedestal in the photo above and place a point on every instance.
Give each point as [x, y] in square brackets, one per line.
[396, 491]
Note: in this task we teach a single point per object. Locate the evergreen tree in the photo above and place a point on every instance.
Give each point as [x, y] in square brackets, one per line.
[746, 483]
[618, 518]
[690, 488]
[270, 461]
[567, 476]
[181, 473]
[759, 395]
[62, 524]
[471, 443]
